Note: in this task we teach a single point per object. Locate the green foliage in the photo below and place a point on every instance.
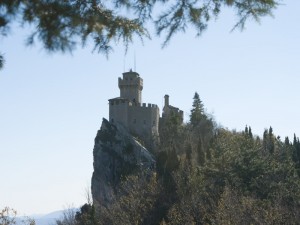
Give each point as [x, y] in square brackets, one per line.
[1, 61]
[86, 216]
[167, 162]
[137, 203]
[200, 153]
[200, 132]
[241, 182]
[63, 25]
[239, 185]
[171, 133]
[234, 208]
[197, 112]
[248, 132]
[210, 175]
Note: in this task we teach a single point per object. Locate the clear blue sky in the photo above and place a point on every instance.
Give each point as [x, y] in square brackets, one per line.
[51, 106]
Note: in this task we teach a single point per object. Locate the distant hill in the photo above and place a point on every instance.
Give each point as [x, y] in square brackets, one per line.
[47, 219]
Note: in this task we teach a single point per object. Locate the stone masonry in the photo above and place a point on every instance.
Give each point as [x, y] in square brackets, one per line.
[141, 119]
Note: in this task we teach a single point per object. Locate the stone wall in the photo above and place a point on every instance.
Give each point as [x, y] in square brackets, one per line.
[143, 122]
[118, 111]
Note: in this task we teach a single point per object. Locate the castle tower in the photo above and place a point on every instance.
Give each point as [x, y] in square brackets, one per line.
[131, 87]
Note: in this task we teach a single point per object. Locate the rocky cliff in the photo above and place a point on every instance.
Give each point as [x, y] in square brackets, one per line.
[116, 154]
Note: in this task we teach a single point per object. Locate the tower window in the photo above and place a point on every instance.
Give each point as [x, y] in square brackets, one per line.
[134, 121]
[144, 121]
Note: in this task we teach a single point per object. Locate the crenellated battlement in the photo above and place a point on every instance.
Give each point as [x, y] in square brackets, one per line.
[117, 101]
[130, 82]
[145, 105]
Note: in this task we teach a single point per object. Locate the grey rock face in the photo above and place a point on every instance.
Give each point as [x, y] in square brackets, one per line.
[116, 154]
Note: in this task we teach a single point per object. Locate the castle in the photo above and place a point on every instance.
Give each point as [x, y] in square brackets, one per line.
[141, 119]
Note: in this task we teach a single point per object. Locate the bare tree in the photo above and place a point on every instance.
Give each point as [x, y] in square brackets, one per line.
[88, 195]
[68, 217]
[8, 217]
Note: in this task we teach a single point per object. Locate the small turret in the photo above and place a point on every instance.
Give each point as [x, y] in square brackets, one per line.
[166, 100]
[169, 110]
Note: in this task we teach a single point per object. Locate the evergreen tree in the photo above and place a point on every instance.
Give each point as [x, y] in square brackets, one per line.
[271, 141]
[295, 140]
[250, 133]
[86, 216]
[63, 25]
[296, 151]
[270, 131]
[265, 140]
[1, 61]
[246, 130]
[287, 141]
[197, 112]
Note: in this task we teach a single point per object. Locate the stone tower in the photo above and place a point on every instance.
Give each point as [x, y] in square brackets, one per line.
[131, 87]
[140, 119]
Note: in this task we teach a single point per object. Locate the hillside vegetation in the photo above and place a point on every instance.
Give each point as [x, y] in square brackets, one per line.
[209, 175]
[206, 174]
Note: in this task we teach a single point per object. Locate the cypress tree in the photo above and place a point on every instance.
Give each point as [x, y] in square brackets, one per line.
[287, 141]
[295, 140]
[250, 133]
[265, 140]
[271, 141]
[246, 130]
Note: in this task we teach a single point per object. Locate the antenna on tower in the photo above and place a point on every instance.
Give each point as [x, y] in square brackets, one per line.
[124, 63]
